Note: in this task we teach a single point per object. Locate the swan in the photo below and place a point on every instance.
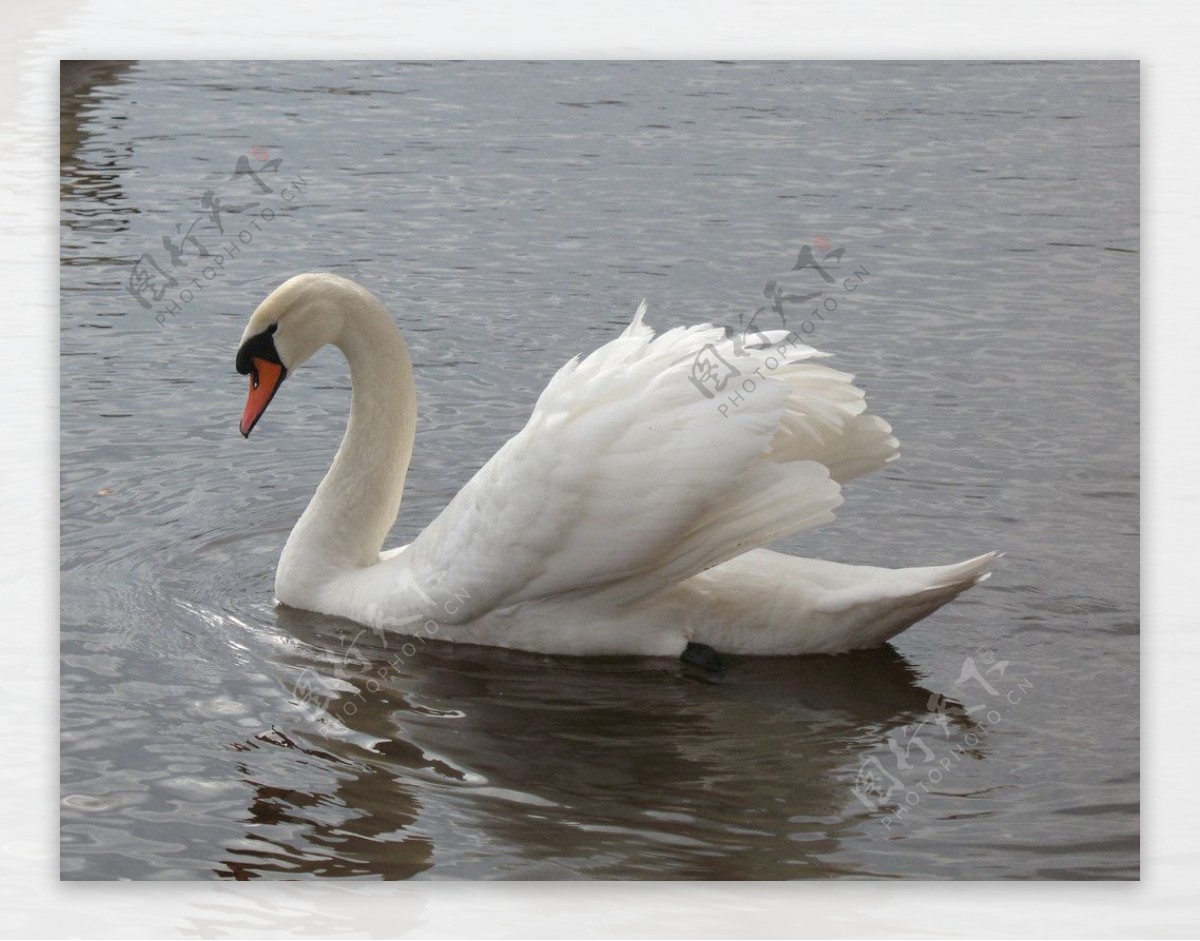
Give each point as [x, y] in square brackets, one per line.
[626, 517]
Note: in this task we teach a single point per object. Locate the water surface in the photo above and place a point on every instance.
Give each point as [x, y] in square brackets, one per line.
[511, 215]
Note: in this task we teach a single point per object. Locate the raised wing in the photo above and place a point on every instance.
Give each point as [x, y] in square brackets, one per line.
[648, 461]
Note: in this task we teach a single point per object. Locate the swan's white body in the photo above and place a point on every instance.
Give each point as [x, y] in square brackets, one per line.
[625, 517]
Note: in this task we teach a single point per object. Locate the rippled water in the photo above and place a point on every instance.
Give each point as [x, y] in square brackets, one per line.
[511, 215]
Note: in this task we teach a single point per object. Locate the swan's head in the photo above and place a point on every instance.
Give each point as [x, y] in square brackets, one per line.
[297, 319]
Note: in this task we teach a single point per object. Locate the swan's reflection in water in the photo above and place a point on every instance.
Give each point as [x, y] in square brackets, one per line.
[613, 767]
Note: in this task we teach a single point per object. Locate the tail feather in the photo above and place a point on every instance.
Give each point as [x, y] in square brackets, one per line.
[818, 606]
[899, 598]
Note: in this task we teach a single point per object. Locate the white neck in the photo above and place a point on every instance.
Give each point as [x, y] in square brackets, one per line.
[357, 502]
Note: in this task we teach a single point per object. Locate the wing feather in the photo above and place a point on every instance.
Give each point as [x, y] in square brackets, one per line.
[630, 477]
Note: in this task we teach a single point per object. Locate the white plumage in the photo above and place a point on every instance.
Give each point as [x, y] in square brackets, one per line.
[625, 517]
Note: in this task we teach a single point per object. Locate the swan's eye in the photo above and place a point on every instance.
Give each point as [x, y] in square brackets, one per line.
[271, 329]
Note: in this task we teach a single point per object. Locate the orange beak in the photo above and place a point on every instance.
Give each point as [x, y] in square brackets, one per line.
[265, 379]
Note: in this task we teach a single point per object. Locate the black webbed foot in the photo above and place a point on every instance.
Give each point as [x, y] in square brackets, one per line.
[703, 656]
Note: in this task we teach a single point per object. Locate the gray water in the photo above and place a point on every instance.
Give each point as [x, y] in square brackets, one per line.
[511, 215]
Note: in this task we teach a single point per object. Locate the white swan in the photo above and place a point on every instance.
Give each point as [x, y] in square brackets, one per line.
[624, 518]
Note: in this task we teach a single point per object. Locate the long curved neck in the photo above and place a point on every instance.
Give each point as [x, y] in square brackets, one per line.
[356, 504]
